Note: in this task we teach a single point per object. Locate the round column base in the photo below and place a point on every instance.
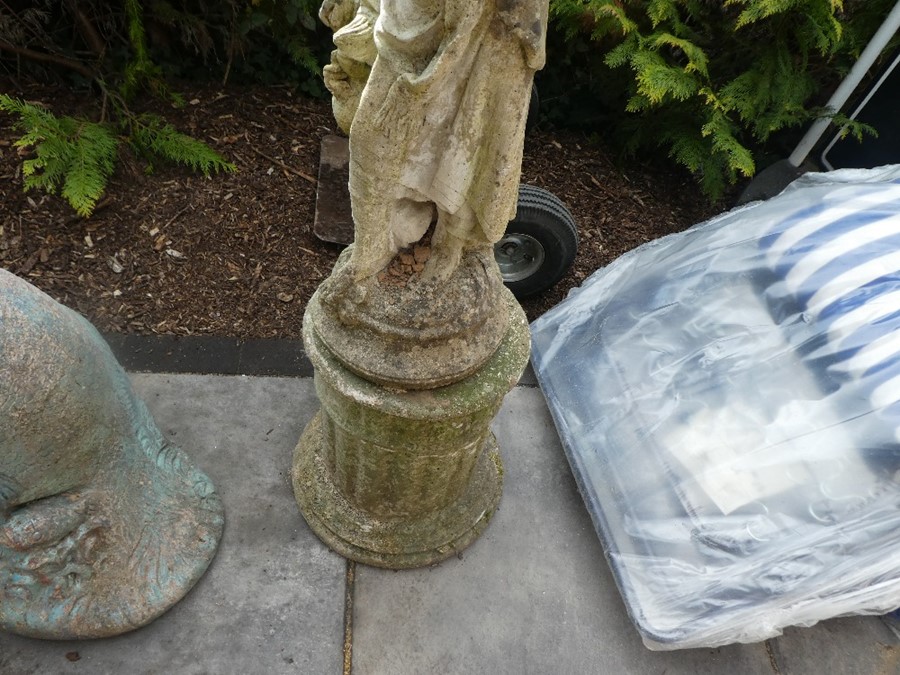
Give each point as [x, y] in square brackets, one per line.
[396, 542]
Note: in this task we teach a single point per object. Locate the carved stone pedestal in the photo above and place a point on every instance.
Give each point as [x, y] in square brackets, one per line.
[404, 477]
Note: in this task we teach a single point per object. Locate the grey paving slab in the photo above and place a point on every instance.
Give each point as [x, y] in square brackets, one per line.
[535, 595]
[272, 601]
[846, 645]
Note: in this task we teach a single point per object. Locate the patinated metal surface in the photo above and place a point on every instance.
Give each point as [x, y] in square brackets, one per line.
[103, 524]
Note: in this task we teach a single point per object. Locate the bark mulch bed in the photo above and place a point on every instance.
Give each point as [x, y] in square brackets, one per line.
[235, 255]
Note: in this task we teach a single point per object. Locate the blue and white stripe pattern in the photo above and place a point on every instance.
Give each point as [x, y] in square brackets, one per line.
[840, 261]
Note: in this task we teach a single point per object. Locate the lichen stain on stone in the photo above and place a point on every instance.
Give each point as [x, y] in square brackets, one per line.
[401, 493]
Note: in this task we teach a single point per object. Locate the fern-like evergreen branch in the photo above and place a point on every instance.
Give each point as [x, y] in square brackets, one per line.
[73, 156]
[711, 81]
[152, 135]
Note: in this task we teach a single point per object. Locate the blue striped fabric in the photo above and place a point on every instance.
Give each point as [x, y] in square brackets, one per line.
[840, 262]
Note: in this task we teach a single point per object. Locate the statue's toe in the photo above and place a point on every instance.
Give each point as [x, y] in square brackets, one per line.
[442, 263]
[9, 492]
[42, 523]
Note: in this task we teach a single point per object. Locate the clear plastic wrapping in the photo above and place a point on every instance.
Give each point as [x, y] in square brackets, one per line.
[729, 400]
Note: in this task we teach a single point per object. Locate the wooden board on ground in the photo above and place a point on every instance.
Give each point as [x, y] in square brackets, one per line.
[334, 221]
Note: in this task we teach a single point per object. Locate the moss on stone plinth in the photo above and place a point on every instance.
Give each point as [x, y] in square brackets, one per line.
[404, 478]
[398, 542]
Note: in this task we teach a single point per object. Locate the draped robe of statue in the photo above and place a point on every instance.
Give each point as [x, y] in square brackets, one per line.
[439, 129]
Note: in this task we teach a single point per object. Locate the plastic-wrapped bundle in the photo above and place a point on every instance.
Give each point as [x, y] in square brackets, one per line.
[728, 400]
[840, 261]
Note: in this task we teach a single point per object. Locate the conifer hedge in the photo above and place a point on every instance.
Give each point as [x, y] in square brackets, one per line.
[709, 82]
[714, 84]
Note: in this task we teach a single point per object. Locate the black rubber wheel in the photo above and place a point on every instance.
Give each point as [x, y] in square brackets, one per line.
[539, 245]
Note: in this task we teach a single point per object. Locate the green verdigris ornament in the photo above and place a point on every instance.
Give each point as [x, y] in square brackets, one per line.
[104, 525]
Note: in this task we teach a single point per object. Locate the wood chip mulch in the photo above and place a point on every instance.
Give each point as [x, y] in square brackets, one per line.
[234, 254]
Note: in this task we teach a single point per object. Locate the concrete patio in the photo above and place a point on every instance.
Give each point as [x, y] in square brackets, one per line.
[533, 595]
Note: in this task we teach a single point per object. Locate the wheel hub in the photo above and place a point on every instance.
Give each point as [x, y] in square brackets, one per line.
[518, 255]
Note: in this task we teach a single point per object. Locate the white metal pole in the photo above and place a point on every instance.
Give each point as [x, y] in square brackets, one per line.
[842, 93]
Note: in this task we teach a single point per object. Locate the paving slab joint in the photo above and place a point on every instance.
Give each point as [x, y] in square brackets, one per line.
[349, 591]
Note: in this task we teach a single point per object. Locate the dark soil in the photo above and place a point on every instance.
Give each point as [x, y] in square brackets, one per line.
[235, 255]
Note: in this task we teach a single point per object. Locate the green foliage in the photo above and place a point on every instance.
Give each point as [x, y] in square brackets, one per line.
[255, 40]
[272, 29]
[140, 69]
[291, 22]
[712, 83]
[153, 137]
[71, 154]
[137, 45]
[76, 157]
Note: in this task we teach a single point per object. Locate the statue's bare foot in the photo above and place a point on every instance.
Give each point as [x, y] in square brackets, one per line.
[444, 260]
[344, 288]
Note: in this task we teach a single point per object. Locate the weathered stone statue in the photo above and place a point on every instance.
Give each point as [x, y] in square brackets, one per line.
[414, 338]
[103, 524]
[353, 22]
[437, 135]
